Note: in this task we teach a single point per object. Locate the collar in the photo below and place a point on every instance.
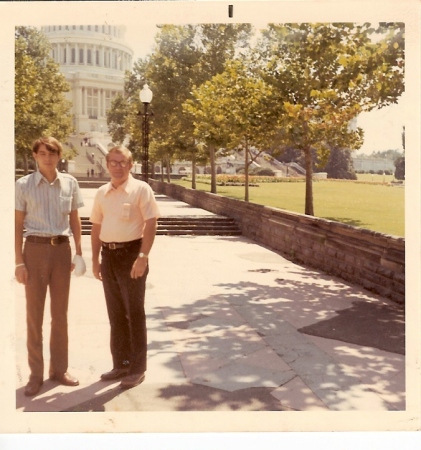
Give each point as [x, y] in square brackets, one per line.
[39, 177]
[127, 186]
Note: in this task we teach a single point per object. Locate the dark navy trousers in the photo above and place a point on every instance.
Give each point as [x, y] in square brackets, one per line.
[125, 298]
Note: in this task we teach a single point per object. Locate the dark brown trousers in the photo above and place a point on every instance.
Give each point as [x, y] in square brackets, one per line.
[48, 267]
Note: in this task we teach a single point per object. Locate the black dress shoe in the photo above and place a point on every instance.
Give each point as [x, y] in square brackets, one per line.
[115, 374]
[65, 379]
[33, 386]
[132, 380]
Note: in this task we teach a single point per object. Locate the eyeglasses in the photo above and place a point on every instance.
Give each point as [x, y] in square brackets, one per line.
[114, 163]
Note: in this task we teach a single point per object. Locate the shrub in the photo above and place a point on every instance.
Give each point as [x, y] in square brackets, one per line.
[264, 172]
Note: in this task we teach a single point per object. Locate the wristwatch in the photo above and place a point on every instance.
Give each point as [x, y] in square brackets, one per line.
[142, 255]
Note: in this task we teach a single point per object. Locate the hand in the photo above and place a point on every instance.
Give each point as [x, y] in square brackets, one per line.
[96, 270]
[21, 274]
[139, 267]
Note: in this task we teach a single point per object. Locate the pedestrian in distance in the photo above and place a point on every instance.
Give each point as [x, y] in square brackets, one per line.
[46, 216]
[124, 222]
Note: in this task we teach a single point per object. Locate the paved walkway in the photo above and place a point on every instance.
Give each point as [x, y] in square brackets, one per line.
[232, 326]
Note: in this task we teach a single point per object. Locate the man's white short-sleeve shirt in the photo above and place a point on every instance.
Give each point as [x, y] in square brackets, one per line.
[123, 211]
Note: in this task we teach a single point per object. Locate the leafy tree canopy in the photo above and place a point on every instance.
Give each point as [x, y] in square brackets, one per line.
[40, 104]
[324, 76]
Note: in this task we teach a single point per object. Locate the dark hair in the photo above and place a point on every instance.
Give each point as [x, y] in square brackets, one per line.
[52, 145]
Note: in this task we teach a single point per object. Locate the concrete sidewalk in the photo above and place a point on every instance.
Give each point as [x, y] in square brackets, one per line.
[232, 326]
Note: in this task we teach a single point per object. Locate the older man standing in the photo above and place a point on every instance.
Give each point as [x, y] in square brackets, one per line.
[124, 218]
[46, 208]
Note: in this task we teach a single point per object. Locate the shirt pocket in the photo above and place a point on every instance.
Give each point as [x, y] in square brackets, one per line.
[65, 204]
[125, 211]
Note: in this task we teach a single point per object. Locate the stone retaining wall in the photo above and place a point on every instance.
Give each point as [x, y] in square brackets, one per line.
[372, 260]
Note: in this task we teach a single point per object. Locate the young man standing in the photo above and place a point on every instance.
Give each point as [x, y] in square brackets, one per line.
[124, 218]
[46, 208]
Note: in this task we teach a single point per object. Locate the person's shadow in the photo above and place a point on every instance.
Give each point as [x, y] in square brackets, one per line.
[93, 397]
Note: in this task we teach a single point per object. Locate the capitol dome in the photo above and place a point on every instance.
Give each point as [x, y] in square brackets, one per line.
[93, 59]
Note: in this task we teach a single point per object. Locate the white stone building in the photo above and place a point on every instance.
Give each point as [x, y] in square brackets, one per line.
[93, 58]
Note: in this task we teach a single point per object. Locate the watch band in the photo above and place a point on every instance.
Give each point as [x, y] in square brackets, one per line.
[142, 255]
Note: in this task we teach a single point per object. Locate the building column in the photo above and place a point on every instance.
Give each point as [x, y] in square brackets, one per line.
[57, 58]
[84, 101]
[103, 102]
[78, 109]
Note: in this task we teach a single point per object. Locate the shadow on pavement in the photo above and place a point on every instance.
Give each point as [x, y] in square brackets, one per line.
[367, 324]
[42, 402]
[185, 397]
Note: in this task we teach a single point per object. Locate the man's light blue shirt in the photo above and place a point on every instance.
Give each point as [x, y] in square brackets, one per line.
[47, 205]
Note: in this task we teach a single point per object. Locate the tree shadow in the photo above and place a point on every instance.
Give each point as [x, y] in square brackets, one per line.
[219, 332]
[366, 324]
[99, 394]
[219, 343]
[348, 221]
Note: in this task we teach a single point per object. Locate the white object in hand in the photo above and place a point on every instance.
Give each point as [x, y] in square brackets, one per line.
[80, 266]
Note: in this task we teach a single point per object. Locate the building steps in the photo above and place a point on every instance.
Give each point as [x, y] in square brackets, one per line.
[211, 225]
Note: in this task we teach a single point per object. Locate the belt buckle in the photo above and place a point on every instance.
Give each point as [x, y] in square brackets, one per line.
[112, 246]
[54, 240]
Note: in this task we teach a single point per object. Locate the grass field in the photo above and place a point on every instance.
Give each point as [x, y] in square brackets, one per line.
[377, 207]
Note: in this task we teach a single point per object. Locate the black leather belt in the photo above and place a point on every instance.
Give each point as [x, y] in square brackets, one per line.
[52, 240]
[116, 245]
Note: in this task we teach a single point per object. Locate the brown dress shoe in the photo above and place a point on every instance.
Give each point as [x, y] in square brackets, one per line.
[33, 386]
[132, 380]
[65, 379]
[115, 374]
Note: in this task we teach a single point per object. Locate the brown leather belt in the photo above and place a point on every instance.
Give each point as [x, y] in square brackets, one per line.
[52, 240]
[116, 245]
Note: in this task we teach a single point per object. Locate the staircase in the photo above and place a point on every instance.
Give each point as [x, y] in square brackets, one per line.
[187, 225]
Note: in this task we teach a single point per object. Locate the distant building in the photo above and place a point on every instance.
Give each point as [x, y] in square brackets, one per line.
[375, 164]
[93, 58]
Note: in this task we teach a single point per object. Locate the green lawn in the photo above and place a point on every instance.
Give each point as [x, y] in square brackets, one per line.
[377, 207]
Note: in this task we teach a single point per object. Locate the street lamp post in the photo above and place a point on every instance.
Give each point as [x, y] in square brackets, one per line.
[145, 96]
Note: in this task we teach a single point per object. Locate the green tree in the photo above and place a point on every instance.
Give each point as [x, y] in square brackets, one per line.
[218, 44]
[185, 57]
[324, 76]
[116, 118]
[400, 161]
[40, 104]
[340, 165]
[233, 110]
[171, 72]
[400, 168]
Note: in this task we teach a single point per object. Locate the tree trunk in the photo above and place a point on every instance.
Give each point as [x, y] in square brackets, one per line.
[213, 170]
[162, 170]
[246, 172]
[25, 164]
[193, 172]
[168, 170]
[309, 208]
[152, 169]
